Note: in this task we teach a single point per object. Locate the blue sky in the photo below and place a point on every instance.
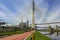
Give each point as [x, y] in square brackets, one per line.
[46, 11]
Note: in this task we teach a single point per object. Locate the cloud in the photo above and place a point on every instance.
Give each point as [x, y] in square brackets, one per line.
[42, 8]
[27, 13]
[7, 14]
[53, 15]
[46, 14]
[1, 14]
[24, 8]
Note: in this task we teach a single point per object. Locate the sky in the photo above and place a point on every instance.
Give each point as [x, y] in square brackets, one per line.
[11, 11]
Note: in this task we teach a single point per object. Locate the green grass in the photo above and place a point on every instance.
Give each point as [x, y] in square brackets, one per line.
[56, 30]
[10, 33]
[39, 36]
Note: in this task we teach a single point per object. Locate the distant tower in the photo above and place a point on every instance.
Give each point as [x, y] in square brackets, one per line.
[27, 23]
[33, 19]
[22, 22]
[22, 19]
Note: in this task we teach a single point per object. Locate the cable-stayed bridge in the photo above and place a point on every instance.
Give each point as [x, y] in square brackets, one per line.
[48, 23]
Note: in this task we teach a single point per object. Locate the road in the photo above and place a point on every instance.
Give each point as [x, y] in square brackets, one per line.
[17, 36]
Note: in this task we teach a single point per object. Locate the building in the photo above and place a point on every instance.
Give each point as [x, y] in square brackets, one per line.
[23, 25]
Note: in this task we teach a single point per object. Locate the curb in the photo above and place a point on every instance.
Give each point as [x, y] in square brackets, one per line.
[27, 36]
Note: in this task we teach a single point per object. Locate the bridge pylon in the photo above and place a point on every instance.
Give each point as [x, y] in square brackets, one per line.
[33, 13]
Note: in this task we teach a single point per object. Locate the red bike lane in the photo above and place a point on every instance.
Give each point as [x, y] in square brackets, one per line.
[18, 36]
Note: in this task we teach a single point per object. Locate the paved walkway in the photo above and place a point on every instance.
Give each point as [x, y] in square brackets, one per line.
[17, 36]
